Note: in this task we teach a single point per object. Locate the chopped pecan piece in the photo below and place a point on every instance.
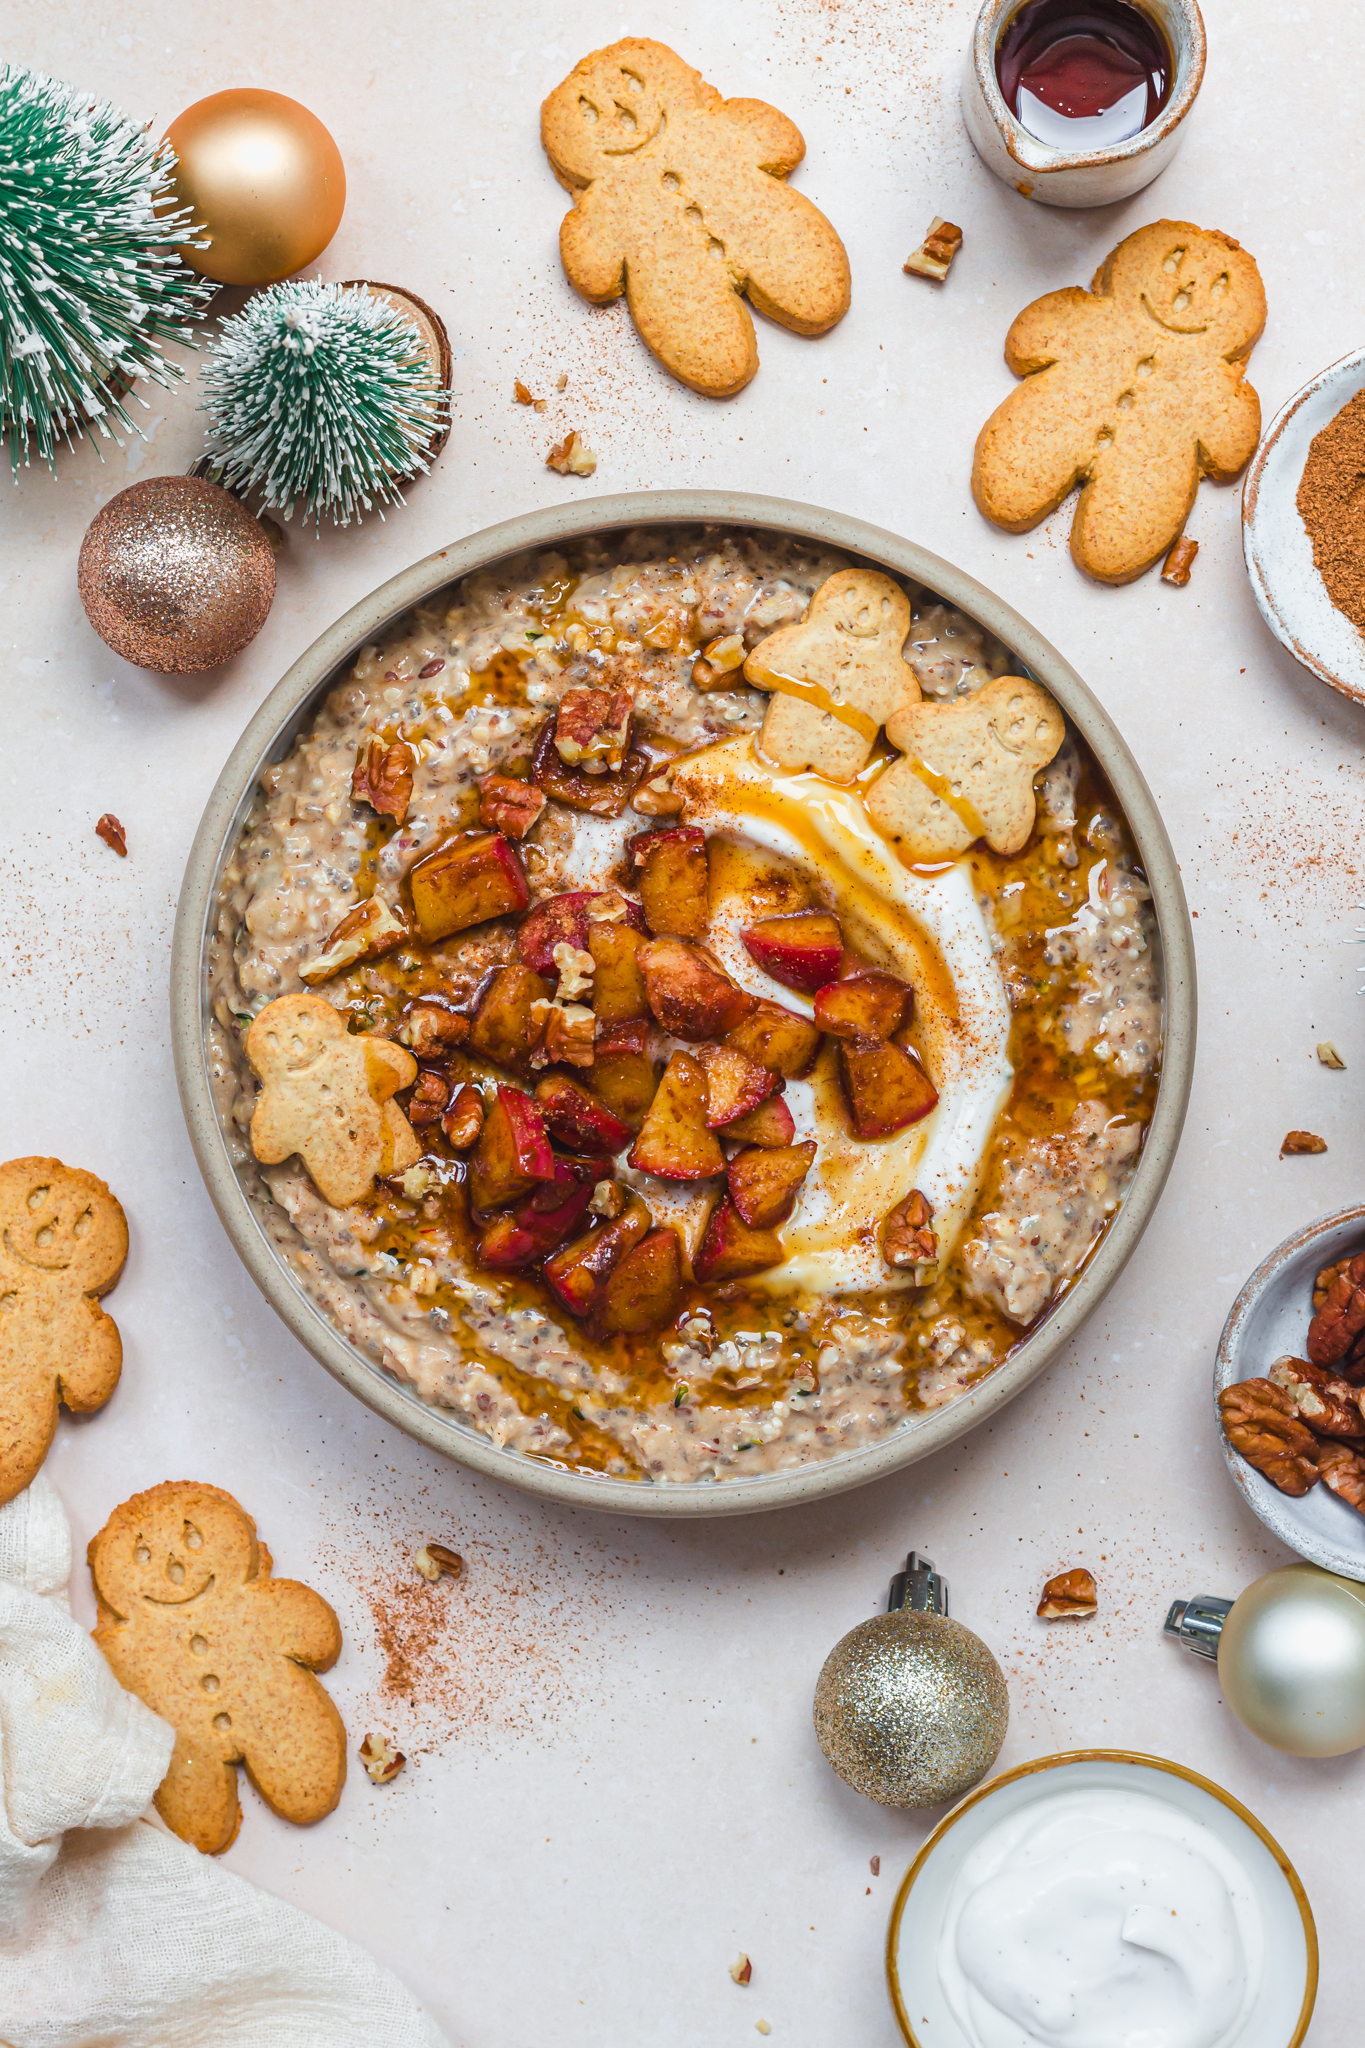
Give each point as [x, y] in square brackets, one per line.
[1070, 1592]
[430, 1029]
[1328, 1056]
[571, 457]
[1344, 1471]
[908, 1240]
[608, 1200]
[435, 1561]
[1260, 1423]
[463, 1120]
[112, 833]
[428, 1100]
[509, 805]
[381, 1759]
[570, 1034]
[575, 970]
[654, 799]
[383, 776]
[1302, 1141]
[604, 795]
[1178, 564]
[372, 928]
[742, 1970]
[592, 729]
[522, 393]
[1330, 1406]
[1340, 1321]
[1324, 1279]
[933, 259]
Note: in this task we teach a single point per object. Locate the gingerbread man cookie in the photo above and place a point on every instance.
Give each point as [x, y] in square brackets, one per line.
[1135, 390]
[326, 1095]
[680, 203]
[838, 675]
[192, 1622]
[63, 1241]
[967, 771]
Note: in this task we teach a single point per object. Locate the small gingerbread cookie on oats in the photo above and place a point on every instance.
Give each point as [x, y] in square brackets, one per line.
[326, 1094]
[681, 202]
[63, 1241]
[192, 1622]
[837, 675]
[967, 770]
[1134, 390]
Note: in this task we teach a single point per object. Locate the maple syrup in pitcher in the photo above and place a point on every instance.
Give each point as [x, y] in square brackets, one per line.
[1084, 74]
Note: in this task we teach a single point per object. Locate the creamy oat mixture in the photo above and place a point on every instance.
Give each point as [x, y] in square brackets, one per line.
[744, 1380]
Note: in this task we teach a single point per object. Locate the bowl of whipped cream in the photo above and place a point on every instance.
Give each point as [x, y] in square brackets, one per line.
[1101, 1897]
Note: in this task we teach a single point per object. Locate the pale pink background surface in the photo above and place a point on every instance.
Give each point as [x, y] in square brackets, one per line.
[615, 1787]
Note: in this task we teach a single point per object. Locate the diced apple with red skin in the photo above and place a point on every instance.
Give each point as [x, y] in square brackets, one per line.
[735, 1084]
[575, 1274]
[674, 1142]
[690, 993]
[674, 880]
[771, 1125]
[539, 1222]
[513, 1151]
[644, 1292]
[563, 921]
[605, 796]
[467, 881]
[777, 1039]
[730, 1250]
[503, 1030]
[884, 1087]
[764, 1184]
[618, 985]
[865, 1006]
[802, 952]
[576, 1117]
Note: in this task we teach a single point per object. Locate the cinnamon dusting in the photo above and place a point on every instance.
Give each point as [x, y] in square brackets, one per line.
[1331, 503]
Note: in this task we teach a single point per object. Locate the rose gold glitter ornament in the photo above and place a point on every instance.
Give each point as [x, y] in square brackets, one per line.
[175, 575]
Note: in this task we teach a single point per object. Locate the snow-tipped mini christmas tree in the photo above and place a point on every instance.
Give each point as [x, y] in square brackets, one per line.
[320, 396]
[89, 284]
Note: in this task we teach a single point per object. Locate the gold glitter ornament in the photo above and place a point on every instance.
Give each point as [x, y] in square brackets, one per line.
[175, 575]
[264, 178]
[911, 1708]
[1291, 1656]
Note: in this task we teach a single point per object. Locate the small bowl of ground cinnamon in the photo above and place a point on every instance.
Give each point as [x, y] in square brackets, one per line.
[1303, 525]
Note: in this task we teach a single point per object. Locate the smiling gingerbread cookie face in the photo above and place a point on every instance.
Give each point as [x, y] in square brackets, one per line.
[191, 1621]
[1134, 390]
[63, 1241]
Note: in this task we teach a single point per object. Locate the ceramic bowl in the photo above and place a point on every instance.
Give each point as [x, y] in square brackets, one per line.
[1094, 177]
[1279, 555]
[1290, 1954]
[1269, 1320]
[270, 734]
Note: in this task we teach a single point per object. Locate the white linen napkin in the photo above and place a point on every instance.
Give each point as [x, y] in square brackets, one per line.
[113, 1933]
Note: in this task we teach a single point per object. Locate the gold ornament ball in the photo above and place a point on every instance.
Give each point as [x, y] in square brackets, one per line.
[266, 180]
[175, 575]
[911, 1708]
[1291, 1661]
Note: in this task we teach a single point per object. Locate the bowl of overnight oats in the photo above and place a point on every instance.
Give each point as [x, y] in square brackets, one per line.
[683, 1002]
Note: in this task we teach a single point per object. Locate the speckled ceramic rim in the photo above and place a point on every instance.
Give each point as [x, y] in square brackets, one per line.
[1273, 1508]
[1260, 563]
[269, 735]
[1105, 1756]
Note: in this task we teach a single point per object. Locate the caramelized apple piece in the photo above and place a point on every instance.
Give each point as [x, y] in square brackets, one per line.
[735, 1084]
[605, 796]
[866, 1006]
[802, 952]
[619, 984]
[575, 1274]
[884, 1087]
[558, 921]
[539, 1222]
[673, 880]
[771, 1124]
[674, 1141]
[513, 1151]
[776, 1038]
[764, 1184]
[466, 881]
[730, 1250]
[623, 1076]
[504, 1029]
[576, 1117]
[690, 993]
[643, 1292]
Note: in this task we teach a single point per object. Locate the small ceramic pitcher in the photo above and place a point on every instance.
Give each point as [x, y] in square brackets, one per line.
[1090, 177]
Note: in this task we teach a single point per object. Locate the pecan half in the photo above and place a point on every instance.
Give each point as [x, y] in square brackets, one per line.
[428, 1099]
[112, 833]
[592, 729]
[372, 928]
[463, 1120]
[383, 776]
[430, 1029]
[1296, 1142]
[1330, 1406]
[509, 805]
[907, 1239]
[1070, 1592]
[1344, 1471]
[1260, 1423]
[1333, 1332]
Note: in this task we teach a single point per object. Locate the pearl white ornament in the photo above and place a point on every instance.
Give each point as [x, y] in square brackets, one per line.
[1291, 1657]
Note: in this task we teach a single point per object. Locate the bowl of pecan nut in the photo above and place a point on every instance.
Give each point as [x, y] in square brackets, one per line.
[1290, 1391]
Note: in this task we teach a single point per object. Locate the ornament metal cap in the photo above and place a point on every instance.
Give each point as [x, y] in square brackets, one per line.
[1197, 1624]
[919, 1587]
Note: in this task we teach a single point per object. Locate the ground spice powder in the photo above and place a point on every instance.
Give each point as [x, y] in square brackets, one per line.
[1331, 504]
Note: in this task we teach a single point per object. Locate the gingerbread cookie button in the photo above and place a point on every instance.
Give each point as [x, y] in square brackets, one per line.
[191, 1621]
[63, 1241]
